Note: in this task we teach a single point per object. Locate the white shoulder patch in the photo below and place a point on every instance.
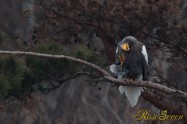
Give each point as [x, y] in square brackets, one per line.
[144, 52]
[117, 49]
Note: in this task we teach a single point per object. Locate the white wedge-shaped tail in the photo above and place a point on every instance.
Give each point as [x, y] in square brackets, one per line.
[132, 93]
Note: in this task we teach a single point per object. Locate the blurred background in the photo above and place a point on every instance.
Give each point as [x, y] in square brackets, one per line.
[47, 91]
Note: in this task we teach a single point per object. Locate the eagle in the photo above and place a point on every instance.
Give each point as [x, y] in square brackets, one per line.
[131, 62]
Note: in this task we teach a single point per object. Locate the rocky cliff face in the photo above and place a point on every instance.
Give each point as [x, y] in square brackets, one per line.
[17, 21]
[73, 102]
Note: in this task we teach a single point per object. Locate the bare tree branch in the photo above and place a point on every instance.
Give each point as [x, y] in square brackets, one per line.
[150, 85]
[105, 74]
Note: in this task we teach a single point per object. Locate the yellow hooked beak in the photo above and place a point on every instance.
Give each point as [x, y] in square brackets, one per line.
[125, 46]
[122, 59]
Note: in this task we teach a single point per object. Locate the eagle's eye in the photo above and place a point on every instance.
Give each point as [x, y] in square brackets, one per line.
[122, 59]
[125, 46]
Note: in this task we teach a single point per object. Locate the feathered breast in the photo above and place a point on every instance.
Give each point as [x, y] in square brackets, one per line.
[133, 62]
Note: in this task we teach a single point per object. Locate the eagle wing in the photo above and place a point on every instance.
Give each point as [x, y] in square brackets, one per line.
[144, 63]
[144, 52]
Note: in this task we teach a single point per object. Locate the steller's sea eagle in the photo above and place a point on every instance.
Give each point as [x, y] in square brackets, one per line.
[131, 62]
